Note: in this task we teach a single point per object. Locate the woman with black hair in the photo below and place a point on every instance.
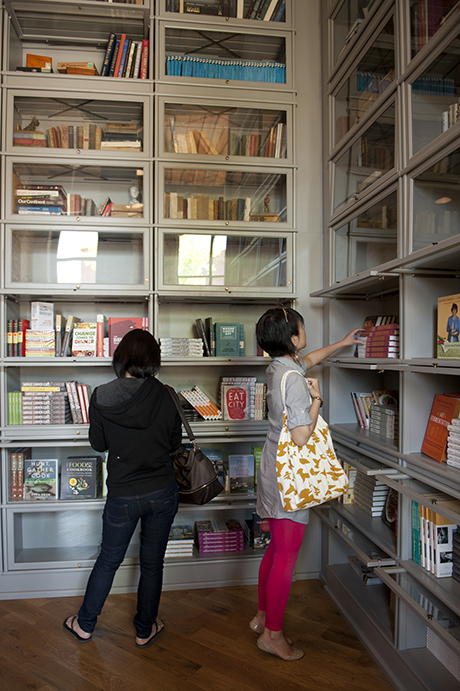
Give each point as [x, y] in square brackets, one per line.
[134, 417]
[281, 333]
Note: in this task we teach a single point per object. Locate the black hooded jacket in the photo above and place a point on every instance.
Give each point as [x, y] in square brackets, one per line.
[136, 420]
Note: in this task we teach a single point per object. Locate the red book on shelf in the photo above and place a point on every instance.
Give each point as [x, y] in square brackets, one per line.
[119, 326]
[443, 411]
[144, 59]
[120, 51]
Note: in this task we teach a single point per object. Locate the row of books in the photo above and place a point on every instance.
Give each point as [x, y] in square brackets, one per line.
[374, 82]
[440, 223]
[111, 137]
[220, 68]
[435, 86]
[204, 207]
[54, 200]
[49, 403]
[181, 347]
[126, 58]
[370, 494]
[74, 478]
[363, 403]
[450, 116]
[221, 339]
[225, 142]
[263, 10]
[217, 535]
[426, 17]
[433, 535]
[373, 325]
[242, 398]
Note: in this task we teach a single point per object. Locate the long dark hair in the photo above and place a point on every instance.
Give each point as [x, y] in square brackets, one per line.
[137, 354]
[275, 329]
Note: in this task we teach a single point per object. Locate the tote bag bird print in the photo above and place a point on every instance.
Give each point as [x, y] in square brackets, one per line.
[307, 475]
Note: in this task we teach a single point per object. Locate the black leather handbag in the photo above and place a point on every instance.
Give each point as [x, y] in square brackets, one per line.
[195, 473]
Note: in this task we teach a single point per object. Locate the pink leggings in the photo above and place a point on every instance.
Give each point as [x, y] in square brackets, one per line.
[276, 569]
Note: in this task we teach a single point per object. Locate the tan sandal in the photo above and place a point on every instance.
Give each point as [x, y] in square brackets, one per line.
[296, 654]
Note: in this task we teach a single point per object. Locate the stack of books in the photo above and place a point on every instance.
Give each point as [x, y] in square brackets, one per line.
[453, 443]
[121, 136]
[127, 210]
[384, 421]
[383, 341]
[28, 138]
[440, 649]
[41, 199]
[219, 536]
[365, 573]
[181, 347]
[434, 538]
[44, 403]
[180, 541]
[370, 494]
[205, 407]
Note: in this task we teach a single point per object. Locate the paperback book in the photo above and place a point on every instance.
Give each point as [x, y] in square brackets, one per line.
[40, 479]
[81, 477]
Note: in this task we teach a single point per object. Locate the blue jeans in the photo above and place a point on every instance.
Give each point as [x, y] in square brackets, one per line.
[121, 514]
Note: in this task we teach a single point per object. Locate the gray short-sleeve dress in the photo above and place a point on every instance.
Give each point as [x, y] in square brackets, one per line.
[297, 407]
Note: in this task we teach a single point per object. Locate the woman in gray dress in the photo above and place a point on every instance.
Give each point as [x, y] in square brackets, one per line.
[281, 333]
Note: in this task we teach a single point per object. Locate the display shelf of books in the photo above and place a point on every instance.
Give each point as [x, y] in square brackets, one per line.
[367, 161]
[226, 58]
[426, 18]
[394, 250]
[63, 28]
[217, 263]
[371, 76]
[65, 190]
[76, 259]
[226, 194]
[226, 10]
[216, 129]
[349, 22]
[62, 122]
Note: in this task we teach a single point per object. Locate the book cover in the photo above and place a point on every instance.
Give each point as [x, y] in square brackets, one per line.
[227, 335]
[119, 326]
[448, 342]
[217, 457]
[41, 316]
[261, 529]
[39, 343]
[443, 410]
[84, 340]
[241, 473]
[67, 335]
[236, 402]
[40, 479]
[81, 477]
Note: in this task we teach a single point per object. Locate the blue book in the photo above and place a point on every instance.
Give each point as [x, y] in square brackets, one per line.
[111, 43]
[114, 58]
[280, 11]
[26, 209]
[227, 339]
[123, 58]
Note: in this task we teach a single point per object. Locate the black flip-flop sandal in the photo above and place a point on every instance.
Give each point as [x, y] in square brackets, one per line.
[73, 633]
[150, 641]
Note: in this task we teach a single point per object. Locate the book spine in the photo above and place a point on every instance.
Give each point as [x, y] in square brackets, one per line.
[120, 55]
[108, 55]
[144, 59]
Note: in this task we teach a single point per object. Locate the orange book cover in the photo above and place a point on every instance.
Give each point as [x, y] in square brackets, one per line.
[119, 326]
[443, 411]
[38, 61]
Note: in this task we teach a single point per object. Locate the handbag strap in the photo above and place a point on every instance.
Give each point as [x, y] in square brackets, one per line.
[283, 384]
[184, 420]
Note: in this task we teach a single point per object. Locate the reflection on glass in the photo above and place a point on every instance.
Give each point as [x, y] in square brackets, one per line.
[225, 55]
[426, 16]
[77, 257]
[347, 23]
[64, 189]
[436, 609]
[222, 8]
[365, 161]
[224, 195]
[206, 260]
[368, 240]
[437, 202]
[370, 78]
[219, 130]
[78, 123]
[435, 96]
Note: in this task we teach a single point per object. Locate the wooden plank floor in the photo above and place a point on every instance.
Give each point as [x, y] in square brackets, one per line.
[206, 646]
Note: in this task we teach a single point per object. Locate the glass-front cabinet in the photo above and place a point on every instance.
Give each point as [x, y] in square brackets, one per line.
[370, 77]
[216, 262]
[345, 24]
[38, 121]
[435, 95]
[367, 159]
[224, 57]
[225, 10]
[426, 17]
[56, 190]
[209, 129]
[226, 195]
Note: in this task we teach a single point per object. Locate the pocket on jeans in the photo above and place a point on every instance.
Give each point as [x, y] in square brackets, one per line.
[166, 503]
[116, 511]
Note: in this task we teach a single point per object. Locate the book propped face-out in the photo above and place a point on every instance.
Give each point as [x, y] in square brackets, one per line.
[448, 336]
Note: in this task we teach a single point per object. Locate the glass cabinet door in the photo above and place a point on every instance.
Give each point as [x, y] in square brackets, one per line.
[225, 195]
[52, 190]
[347, 22]
[435, 94]
[367, 240]
[219, 262]
[436, 202]
[209, 129]
[226, 56]
[366, 160]
[42, 121]
[86, 257]
[223, 8]
[426, 16]
[371, 76]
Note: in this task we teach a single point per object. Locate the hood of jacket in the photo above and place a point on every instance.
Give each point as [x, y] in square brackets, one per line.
[133, 412]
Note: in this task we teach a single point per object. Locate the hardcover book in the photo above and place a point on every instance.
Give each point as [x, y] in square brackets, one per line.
[119, 326]
[236, 402]
[443, 411]
[241, 473]
[40, 479]
[84, 340]
[227, 337]
[448, 337]
[81, 477]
